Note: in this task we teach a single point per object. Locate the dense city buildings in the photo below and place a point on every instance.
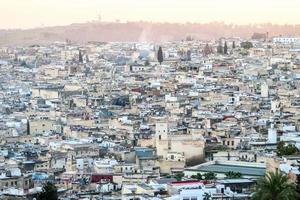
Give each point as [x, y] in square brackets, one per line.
[181, 120]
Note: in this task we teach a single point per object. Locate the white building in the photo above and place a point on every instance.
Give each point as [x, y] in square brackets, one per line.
[286, 40]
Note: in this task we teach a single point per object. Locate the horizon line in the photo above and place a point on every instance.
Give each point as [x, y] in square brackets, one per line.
[117, 21]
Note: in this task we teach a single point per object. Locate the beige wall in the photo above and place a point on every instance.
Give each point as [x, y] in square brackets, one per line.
[42, 126]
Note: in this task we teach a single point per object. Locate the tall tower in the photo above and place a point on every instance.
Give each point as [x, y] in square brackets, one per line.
[272, 135]
[99, 17]
[161, 130]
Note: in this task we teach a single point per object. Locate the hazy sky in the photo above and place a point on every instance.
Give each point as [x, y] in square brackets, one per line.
[33, 13]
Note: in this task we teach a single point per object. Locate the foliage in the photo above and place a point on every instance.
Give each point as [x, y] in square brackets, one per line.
[232, 174]
[179, 176]
[285, 150]
[160, 56]
[188, 55]
[246, 45]
[206, 196]
[275, 186]
[198, 176]
[233, 44]
[225, 48]
[23, 64]
[207, 50]
[220, 48]
[298, 184]
[146, 63]
[80, 57]
[49, 192]
[209, 176]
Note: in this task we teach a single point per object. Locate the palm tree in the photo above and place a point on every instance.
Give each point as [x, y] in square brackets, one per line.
[275, 186]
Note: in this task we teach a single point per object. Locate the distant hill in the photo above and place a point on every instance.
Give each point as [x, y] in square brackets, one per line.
[139, 31]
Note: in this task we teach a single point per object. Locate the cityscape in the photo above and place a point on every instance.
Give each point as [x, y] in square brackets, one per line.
[139, 110]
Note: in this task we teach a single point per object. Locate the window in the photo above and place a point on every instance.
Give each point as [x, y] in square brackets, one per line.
[159, 137]
[193, 198]
[228, 143]
[185, 198]
[232, 143]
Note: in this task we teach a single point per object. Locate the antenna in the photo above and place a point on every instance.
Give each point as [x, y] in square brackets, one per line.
[99, 17]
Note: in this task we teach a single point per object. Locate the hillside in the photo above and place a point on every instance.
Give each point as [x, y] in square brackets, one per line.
[139, 31]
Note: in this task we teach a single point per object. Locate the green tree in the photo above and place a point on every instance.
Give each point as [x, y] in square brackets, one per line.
[80, 57]
[275, 186]
[207, 50]
[160, 56]
[209, 176]
[225, 48]
[246, 45]
[49, 192]
[298, 183]
[285, 150]
[231, 175]
[179, 176]
[220, 48]
[146, 63]
[207, 196]
[198, 176]
[189, 55]
[233, 44]
[23, 64]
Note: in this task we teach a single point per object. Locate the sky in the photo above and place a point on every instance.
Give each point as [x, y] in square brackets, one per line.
[35, 13]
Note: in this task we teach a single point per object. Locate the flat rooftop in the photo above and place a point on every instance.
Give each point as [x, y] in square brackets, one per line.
[224, 167]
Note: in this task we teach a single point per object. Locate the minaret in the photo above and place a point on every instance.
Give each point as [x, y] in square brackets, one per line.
[272, 135]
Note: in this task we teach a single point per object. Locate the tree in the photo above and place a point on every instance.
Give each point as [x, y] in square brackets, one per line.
[23, 64]
[188, 55]
[246, 45]
[275, 186]
[209, 176]
[207, 196]
[146, 63]
[233, 45]
[80, 57]
[225, 48]
[232, 175]
[160, 56]
[207, 50]
[179, 176]
[285, 150]
[49, 192]
[298, 183]
[220, 48]
[198, 176]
